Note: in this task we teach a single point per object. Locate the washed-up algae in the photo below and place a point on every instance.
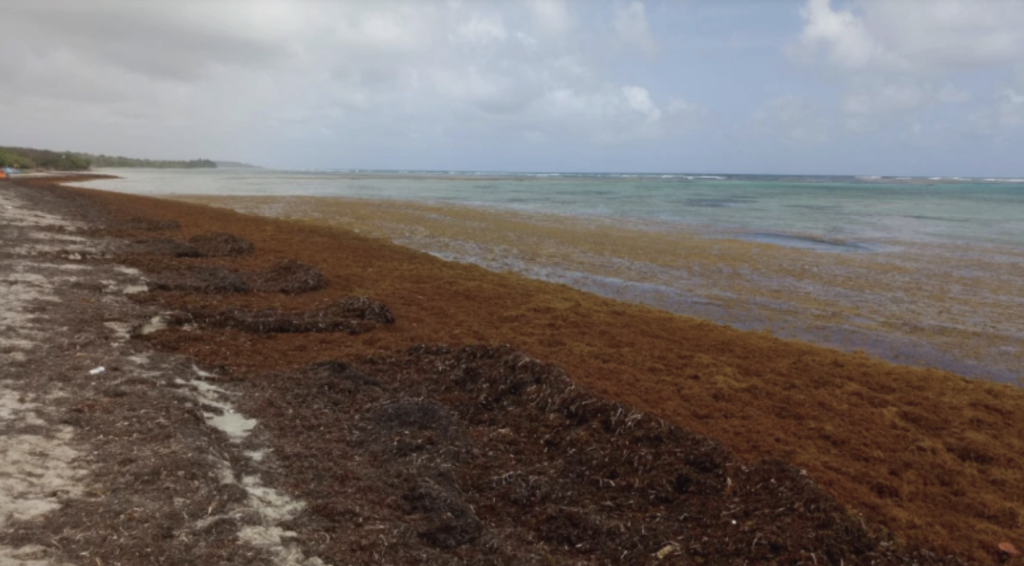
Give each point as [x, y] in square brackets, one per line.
[954, 306]
[934, 457]
[354, 315]
[481, 455]
[289, 277]
[221, 244]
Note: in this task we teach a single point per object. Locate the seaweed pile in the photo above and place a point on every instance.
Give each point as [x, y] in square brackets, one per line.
[482, 455]
[353, 315]
[221, 244]
[466, 475]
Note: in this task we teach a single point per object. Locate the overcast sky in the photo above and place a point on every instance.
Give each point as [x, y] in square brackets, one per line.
[883, 87]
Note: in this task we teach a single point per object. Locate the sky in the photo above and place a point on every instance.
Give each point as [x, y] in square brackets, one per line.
[866, 87]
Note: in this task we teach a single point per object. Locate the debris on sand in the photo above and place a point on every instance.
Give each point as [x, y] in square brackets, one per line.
[146, 224]
[165, 247]
[488, 455]
[221, 244]
[214, 244]
[354, 315]
[201, 279]
[290, 277]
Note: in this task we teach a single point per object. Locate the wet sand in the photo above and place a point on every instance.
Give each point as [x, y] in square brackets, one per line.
[956, 308]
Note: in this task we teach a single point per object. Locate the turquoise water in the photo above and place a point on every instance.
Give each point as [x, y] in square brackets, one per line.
[827, 213]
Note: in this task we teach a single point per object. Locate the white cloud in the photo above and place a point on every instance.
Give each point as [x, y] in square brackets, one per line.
[902, 58]
[482, 29]
[913, 36]
[630, 103]
[610, 115]
[946, 35]
[638, 99]
[841, 33]
[632, 28]
[196, 76]
[552, 15]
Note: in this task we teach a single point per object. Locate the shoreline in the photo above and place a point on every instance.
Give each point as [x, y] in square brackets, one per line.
[933, 457]
[875, 435]
[925, 305]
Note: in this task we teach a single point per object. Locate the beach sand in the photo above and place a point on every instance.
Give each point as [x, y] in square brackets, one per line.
[934, 457]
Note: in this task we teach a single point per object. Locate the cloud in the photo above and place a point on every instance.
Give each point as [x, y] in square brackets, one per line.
[1005, 112]
[629, 108]
[910, 36]
[482, 29]
[631, 27]
[171, 80]
[638, 99]
[151, 39]
[842, 34]
[905, 59]
[552, 16]
[948, 35]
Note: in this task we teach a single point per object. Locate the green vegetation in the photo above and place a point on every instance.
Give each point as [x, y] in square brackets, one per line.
[236, 165]
[11, 159]
[110, 161]
[26, 158]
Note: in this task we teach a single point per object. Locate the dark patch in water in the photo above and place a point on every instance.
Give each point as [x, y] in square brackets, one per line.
[806, 243]
[934, 218]
[716, 202]
[814, 206]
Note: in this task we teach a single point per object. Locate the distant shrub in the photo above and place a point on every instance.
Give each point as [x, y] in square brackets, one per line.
[28, 158]
[10, 159]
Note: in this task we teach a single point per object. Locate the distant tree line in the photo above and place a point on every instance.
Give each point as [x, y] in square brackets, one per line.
[112, 161]
[26, 158]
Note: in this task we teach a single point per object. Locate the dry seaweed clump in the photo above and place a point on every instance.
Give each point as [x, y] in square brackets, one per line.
[214, 244]
[165, 247]
[353, 315]
[290, 277]
[201, 279]
[482, 455]
[221, 244]
[147, 224]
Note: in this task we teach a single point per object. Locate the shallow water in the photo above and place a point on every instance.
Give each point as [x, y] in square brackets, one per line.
[850, 209]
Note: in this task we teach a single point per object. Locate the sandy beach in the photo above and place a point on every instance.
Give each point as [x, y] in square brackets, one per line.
[866, 460]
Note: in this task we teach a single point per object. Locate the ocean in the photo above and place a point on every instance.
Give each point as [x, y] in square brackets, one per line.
[924, 271]
[858, 212]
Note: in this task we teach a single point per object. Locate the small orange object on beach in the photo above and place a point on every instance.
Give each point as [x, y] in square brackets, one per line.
[1008, 549]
